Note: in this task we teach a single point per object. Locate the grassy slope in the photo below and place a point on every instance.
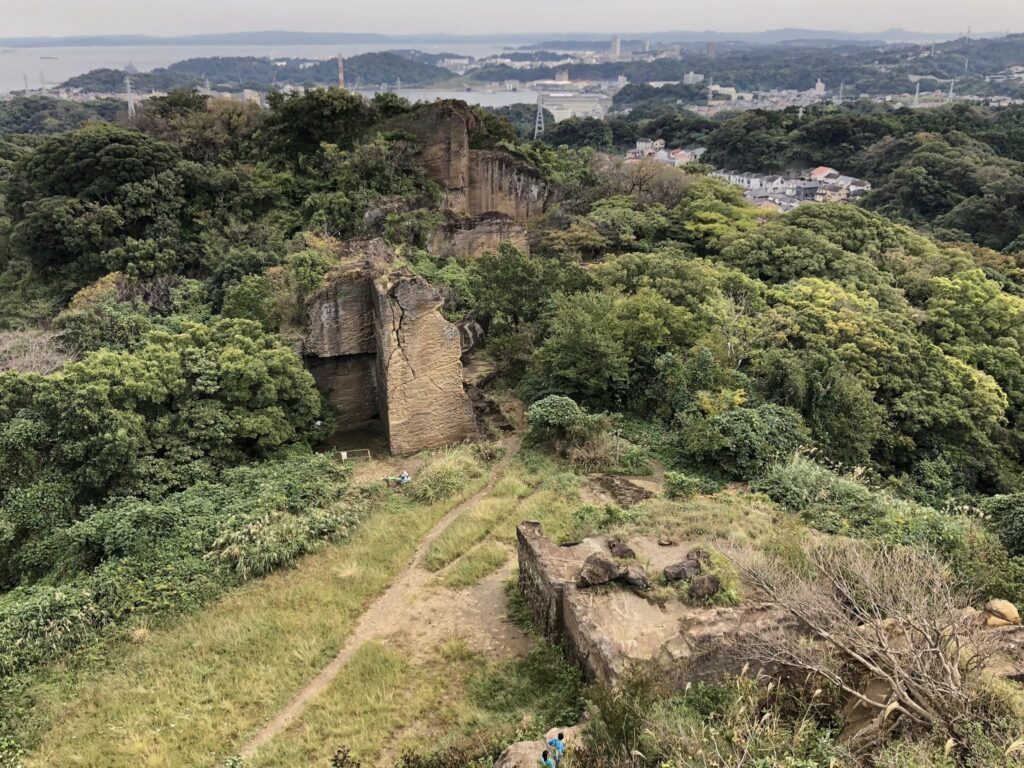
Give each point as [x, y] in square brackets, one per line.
[191, 691]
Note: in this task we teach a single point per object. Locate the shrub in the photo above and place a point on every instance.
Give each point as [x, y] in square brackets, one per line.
[746, 441]
[559, 423]
[842, 505]
[679, 485]
[1007, 518]
[445, 476]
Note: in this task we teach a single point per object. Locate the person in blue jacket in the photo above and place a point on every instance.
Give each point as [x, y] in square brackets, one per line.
[546, 761]
[558, 744]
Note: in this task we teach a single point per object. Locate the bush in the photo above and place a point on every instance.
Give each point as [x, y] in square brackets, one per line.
[135, 557]
[1006, 515]
[679, 485]
[559, 423]
[445, 476]
[746, 441]
[844, 506]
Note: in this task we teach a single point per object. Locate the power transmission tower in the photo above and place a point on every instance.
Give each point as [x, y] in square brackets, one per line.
[917, 94]
[130, 96]
[341, 72]
[951, 84]
[538, 123]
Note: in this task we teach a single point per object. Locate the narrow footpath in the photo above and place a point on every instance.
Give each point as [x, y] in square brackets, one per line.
[379, 619]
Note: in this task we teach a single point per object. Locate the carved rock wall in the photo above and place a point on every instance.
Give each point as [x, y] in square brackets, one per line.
[339, 318]
[378, 346]
[474, 181]
[419, 367]
[466, 238]
[499, 182]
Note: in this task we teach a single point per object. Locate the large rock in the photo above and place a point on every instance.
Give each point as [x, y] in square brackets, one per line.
[418, 356]
[636, 577]
[378, 346]
[621, 549]
[1001, 613]
[625, 492]
[526, 754]
[685, 570]
[599, 569]
[705, 587]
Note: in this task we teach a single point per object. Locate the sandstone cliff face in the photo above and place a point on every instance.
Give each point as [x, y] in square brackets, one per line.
[378, 346]
[499, 182]
[474, 181]
[420, 371]
[605, 631]
[466, 238]
[339, 318]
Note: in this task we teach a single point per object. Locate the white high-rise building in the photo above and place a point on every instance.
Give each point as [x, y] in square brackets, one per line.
[616, 47]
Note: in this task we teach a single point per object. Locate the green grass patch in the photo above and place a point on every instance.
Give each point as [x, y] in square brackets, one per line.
[446, 475]
[188, 693]
[381, 705]
[483, 560]
[468, 529]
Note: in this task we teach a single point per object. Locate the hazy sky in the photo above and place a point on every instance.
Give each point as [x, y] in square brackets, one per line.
[80, 17]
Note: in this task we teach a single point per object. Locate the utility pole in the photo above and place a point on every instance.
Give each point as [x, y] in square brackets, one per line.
[130, 96]
[538, 123]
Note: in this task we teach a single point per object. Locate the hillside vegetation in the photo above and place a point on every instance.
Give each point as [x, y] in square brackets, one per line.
[181, 552]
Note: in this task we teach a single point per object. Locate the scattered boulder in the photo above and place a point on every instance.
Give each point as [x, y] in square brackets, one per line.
[690, 567]
[665, 541]
[698, 554]
[684, 570]
[621, 549]
[1001, 613]
[625, 492]
[705, 587]
[636, 576]
[599, 569]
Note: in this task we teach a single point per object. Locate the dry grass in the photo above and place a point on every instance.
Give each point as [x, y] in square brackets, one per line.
[32, 351]
[192, 691]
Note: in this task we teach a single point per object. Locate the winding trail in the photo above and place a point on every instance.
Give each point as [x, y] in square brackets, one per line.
[379, 619]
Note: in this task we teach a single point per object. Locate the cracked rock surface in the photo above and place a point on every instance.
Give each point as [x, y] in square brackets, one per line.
[420, 370]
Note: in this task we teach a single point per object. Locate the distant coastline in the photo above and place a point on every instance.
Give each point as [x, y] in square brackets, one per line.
[284, 37]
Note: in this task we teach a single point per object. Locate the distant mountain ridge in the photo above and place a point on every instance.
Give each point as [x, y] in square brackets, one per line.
[281, 37]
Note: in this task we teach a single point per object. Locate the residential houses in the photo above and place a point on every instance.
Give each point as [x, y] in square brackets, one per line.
[656, 150]
[821, 184]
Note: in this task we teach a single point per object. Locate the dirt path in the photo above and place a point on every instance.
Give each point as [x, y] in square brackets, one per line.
[379, 619]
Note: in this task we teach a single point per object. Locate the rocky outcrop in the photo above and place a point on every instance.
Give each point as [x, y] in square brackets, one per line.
[465, 238]
[474, 181]
[420, 371]
[605, 631]
[500, 182]
[378, 346]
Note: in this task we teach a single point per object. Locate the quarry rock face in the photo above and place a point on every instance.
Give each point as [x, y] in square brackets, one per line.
[605, 631]
[465, 238]
[418, 356]
[378, 346]
[474, 181]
